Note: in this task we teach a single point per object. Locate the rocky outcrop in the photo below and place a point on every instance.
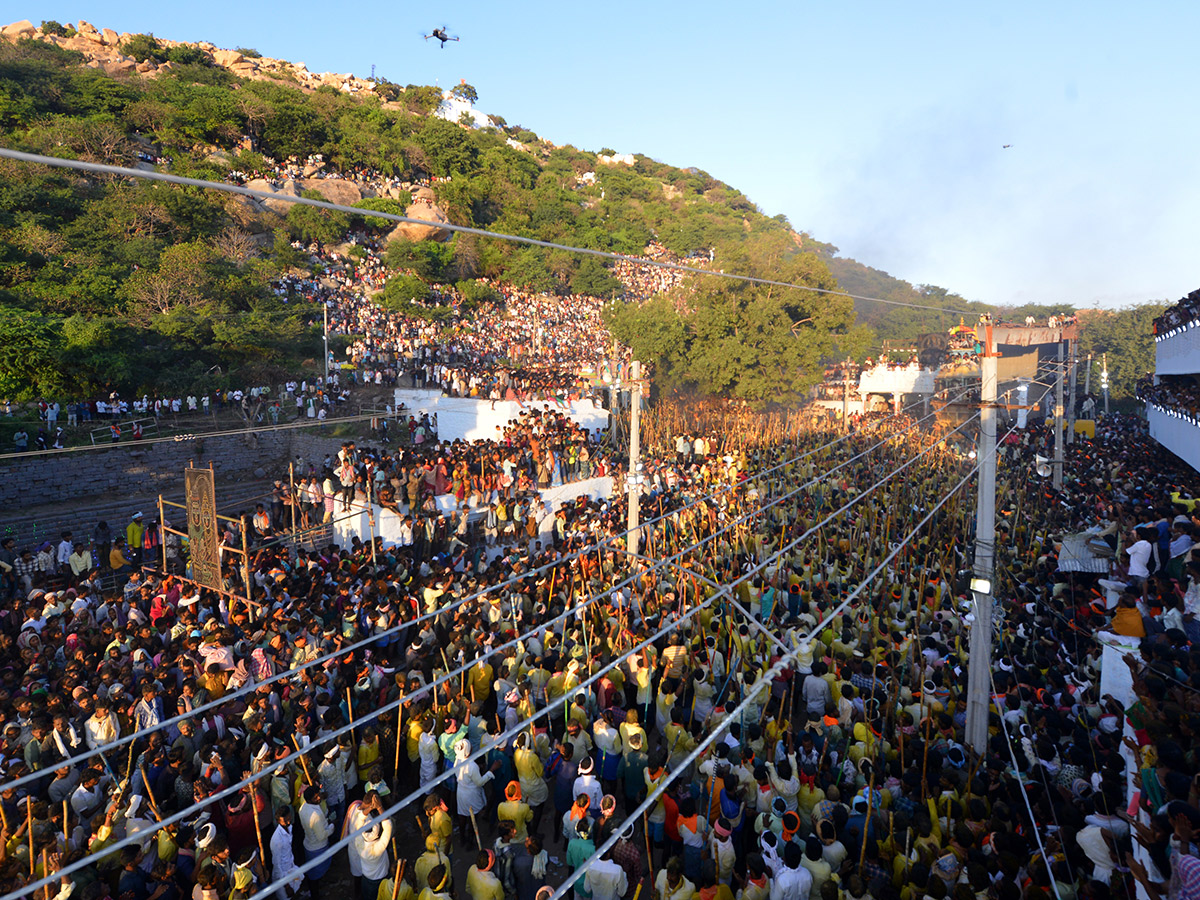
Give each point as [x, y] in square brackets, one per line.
[427, 211]
[101, 50]
[335, 190]
[18, 30]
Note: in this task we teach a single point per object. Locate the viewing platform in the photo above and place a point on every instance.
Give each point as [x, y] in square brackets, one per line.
[1177, 351]
[1177, 431]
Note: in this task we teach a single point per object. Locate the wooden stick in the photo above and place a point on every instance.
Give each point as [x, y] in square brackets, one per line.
[475, 826]
[66, 835]
[46, 872]
[862, 853]
[649, 855]
[303, 761]
[399, 736]
[29, 823]
[262, 853]
[149, 793]
[399, 877]
[350, 713]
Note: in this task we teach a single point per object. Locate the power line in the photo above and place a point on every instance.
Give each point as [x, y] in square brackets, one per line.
[103, 169]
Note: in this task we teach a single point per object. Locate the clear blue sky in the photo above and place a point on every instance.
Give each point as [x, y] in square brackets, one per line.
[875, 126]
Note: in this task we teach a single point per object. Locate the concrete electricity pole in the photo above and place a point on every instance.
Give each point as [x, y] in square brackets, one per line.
[980, 669]
[325, 319]
[1087, 377]
[1058, 421]
[1072, 371]
[634, 478]
[846, 395]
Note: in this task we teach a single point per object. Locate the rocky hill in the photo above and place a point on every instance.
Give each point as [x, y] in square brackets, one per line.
[101, 48]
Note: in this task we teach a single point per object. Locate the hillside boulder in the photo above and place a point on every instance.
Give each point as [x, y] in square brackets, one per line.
[111, 38]
[22, 29]
[429, 212]
[226, 58]
[335, 190]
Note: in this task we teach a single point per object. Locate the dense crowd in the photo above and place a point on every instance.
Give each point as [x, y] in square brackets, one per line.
[1179, 395]
[640, 282]
[806, 722]
[1181, 315]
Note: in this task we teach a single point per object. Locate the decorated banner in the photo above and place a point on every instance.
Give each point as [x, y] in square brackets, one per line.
[203, 537]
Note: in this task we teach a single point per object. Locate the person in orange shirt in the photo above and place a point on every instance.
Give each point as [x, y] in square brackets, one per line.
[1127, 618]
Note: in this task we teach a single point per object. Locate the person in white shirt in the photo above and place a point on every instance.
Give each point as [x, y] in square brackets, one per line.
[316, 831]
[371, 846]
[102, 727]
[792, 881]
[606, 880]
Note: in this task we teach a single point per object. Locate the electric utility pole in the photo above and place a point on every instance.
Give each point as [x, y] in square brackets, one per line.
[1058, 420]
[1073, 371]
[325, 320]
[980, 668]
[634, 478]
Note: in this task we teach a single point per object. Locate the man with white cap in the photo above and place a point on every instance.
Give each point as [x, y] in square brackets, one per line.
[587, 783]
[333, 781]
[471, 797]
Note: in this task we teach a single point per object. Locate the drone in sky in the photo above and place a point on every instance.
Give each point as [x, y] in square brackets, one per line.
[440, 34]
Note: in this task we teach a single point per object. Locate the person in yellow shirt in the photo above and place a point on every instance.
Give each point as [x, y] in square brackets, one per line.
[441, 826]
[479, 680]
[368, 753]
[482, 883]
[438, 886]
[429, 860]
[512, 809]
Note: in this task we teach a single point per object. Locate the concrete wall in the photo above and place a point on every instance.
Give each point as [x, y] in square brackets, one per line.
[117, 470]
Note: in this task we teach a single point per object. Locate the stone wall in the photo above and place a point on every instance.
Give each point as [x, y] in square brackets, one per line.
[117, 470]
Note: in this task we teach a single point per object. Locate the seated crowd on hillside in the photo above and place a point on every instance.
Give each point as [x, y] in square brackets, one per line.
[269, 731]
[1184, 312]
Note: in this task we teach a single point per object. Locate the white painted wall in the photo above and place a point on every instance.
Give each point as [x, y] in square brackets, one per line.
[470, 420]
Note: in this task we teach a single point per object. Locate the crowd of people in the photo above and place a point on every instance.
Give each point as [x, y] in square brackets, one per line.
[640, 282]
[1177, 394]
[1182, 314]
[786, 663]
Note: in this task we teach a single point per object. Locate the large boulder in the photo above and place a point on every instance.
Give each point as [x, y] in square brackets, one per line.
[226, 58]
[86, 27]
[335, 190]
[429, 212]
[22, 29]
[122, 65]
[426, 194]
[281, 207]
[111, 38]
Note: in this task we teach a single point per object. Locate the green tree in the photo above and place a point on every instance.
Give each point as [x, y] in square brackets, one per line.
[401, 291]
[593, 278]
[428, 259]
[314, 225]
[448, 148]
[30, 348]
[1127, 336]
[143, 47]
[466, 92]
